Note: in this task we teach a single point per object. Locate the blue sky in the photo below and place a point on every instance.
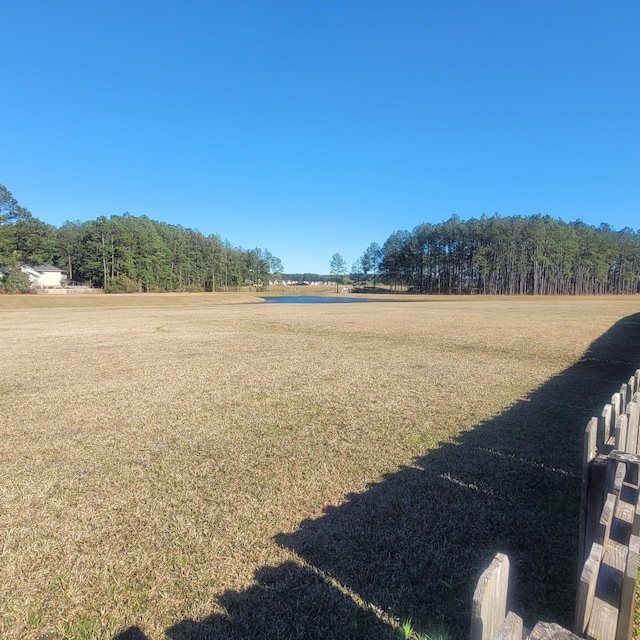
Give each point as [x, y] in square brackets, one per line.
[311, 127]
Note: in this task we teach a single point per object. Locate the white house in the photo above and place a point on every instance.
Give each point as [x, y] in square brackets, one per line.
[44, 276]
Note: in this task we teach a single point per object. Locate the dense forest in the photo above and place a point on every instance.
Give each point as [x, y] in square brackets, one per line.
[126, 253]
[512, 255]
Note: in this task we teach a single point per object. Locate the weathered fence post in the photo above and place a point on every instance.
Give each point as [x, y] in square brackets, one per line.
[632, 425]
[616, 401]
[511, 629]
[489, 605]
[589, 453]
[594, 495]
[605, 426]
[587, 589]
[551, 631]
[624, 397]
[621, 433]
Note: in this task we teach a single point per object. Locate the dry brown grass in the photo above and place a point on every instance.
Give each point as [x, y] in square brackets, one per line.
[160, 450]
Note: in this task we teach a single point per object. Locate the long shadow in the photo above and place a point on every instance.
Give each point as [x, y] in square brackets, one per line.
[412, 545]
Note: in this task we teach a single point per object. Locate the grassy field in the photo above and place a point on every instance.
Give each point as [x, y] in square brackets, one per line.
[179, 467]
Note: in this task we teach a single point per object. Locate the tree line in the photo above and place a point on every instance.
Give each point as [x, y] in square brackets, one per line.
[125, 253]
[488, 255]
[513, 255]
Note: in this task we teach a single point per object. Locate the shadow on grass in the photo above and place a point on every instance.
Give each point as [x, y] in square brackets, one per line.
[413, 544]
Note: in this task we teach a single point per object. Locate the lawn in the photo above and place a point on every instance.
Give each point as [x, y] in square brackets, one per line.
[179, 467]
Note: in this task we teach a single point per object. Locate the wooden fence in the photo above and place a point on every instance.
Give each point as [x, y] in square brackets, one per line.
[609, 541]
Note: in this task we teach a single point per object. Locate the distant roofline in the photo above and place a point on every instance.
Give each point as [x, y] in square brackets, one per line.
[46, 267]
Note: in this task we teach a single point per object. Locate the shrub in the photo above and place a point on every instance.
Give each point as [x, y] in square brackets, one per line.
[122, 284]
[15, 281]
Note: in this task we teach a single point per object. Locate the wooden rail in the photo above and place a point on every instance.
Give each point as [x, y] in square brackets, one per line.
[609, 541]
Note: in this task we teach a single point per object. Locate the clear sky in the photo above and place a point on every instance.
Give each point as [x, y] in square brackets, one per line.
[310, 127]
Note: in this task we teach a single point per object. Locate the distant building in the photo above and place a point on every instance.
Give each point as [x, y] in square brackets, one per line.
[44, 276]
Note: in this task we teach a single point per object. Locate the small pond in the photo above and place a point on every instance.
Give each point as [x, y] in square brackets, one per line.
[316, 299]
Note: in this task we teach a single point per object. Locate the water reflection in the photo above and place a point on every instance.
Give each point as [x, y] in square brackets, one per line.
[316, 299]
